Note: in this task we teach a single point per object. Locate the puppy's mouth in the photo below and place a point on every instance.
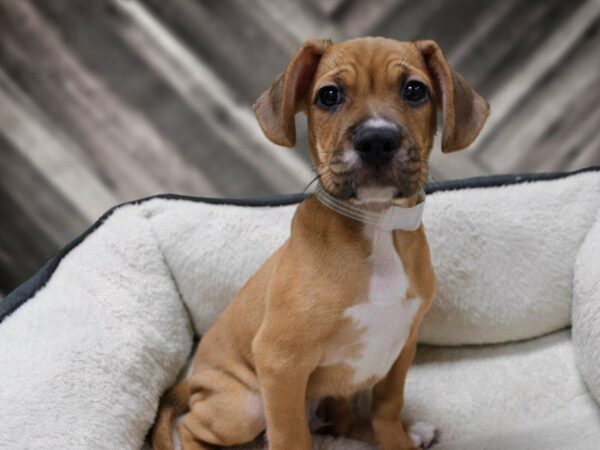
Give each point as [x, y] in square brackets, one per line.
[374, 188]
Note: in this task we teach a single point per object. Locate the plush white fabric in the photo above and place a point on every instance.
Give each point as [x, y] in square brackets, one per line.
[213, 249]
[503, 257]
[82, 364]
[586, 309]
[502, 393]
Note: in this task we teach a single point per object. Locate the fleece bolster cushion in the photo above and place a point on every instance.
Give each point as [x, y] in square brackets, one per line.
[88, 346]
[83, 363]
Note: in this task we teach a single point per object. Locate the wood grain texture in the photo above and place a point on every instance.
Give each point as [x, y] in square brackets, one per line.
[35, 218]
[106, 101]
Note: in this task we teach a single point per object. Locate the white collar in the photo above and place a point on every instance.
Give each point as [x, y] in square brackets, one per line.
[393, 218]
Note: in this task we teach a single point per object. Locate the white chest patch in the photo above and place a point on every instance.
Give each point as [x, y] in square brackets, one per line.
[385, 317]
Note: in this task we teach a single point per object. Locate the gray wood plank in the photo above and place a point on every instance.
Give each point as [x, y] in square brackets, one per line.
[537, 96]
[405, 20]
[201, 119]
[329, 7]
[514, 40]
[568, 140]
[244, 56]
[588, 153]
[357, 18]
[307, 23]
[200, 88]
[45, 207]
[57, 160]
[21, 254]
[126, 98]
[229, 39]
[35, 219]
[122, 146]
[512, 32]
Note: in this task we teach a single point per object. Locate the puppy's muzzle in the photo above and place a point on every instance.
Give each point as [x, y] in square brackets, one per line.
[377, 145]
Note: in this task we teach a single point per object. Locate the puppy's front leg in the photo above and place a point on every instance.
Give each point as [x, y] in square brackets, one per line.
[388, 400]
[283, 374]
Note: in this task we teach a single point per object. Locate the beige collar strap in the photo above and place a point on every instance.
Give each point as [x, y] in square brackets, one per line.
[392, 218]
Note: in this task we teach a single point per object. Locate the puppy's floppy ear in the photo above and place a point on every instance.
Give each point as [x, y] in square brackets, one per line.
[464, 110]
[277, 106]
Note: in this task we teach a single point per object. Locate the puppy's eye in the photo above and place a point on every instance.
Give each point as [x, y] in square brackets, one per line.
[414, 91]
[329, 96]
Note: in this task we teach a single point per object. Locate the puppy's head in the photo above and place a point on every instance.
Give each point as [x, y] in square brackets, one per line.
[371, 105]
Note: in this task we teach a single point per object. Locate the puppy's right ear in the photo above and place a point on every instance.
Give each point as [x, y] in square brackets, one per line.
[276, 107]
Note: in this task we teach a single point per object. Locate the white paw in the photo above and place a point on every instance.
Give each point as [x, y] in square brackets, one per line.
[422, 434]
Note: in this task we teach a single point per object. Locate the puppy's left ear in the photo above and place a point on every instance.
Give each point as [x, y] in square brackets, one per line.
[276, 107]
[463, 109]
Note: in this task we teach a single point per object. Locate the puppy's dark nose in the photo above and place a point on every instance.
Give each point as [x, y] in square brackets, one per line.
[377, 145]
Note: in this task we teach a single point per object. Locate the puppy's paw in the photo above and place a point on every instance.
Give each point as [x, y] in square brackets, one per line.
[422, 434]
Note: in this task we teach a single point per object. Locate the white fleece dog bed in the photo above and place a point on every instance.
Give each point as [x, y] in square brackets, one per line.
[88, 344]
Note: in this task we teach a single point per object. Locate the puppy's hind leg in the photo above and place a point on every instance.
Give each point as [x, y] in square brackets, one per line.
[188, 440]
[224, 413]
[174, 403]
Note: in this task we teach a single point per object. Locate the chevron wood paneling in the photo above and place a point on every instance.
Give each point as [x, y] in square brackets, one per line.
[106, 101]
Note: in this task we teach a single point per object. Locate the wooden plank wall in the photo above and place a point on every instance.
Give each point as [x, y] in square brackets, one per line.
[102, 102]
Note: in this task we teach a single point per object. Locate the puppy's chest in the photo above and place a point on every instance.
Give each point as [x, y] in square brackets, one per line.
[378, 325]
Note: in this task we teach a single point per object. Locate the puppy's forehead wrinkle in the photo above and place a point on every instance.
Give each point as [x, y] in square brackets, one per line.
[336, 72]
[371, 68]
[401, 63]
